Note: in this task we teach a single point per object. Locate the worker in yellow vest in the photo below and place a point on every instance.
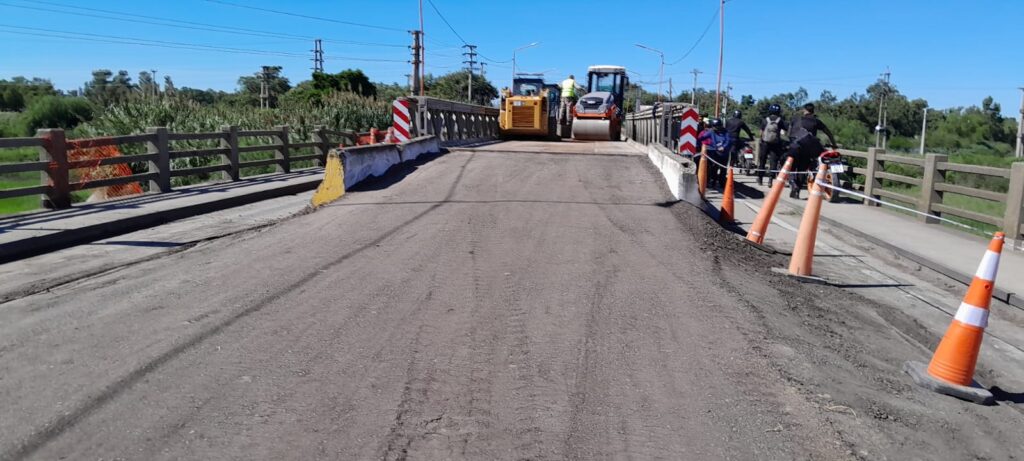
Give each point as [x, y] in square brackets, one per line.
[568, 98]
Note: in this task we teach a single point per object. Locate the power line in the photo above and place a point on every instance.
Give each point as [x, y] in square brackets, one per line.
[182, 24]
[432, 5]
[699, 39]
[298, 15]
[168, 44]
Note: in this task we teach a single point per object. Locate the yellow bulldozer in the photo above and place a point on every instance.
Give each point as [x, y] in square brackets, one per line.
[529, 109]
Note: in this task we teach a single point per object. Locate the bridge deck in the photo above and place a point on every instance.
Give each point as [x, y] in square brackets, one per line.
[507, 302]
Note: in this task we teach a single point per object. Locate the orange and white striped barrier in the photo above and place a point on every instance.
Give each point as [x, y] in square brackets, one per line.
[951, 370]
[764, 217]
[803, 251]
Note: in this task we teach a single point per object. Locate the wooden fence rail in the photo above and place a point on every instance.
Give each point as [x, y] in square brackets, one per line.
[55, 167]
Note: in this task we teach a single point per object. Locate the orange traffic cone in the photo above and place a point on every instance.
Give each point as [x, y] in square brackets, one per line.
[702, 171]
[803, 251]
[726, 216]
[760, 226]
[951, 370]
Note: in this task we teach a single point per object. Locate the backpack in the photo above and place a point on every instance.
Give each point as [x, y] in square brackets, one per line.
[770, 134]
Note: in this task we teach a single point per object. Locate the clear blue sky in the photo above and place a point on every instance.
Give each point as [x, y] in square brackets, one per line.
[952, 53]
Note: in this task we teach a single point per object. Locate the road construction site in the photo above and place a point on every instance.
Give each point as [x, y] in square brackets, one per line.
[515, 300]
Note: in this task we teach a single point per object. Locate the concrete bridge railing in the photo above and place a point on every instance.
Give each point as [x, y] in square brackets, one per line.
[159, 149]
[452, 122]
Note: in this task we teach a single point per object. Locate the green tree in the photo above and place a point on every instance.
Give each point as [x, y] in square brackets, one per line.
[12, 99]
[249, 86]
[55, 112]
[346, 81]
[454, 86]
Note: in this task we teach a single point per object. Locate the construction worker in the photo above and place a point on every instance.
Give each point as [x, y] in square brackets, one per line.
[804, 145]
[568, 98]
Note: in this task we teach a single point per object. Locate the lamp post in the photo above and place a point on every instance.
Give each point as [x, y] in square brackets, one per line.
[514, 56]
[661, 69]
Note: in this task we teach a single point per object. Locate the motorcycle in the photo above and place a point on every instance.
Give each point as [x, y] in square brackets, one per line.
[745, 158]
[835, 174]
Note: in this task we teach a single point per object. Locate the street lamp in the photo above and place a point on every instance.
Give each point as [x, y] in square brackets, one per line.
[661, 69]
[514, 56]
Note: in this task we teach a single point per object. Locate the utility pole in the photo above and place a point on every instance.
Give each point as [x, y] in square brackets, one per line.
[1020, 126]
[721, 56]
[470, 55]
[156, 87]
[693, 96]
[318, 56]
[483, 70]
[670, 93]
[414, 84]
[725, 101]
[924, 129]
[265, 88]
[883, 112]
[422, 56]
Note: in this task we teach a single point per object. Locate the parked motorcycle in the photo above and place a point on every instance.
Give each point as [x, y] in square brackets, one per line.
[745, 158]
[835, 175]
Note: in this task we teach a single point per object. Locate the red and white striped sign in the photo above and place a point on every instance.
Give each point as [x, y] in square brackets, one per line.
[688, 132]
[402, 123]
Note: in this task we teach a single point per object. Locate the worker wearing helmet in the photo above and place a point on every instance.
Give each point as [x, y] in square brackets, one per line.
[718, 144]
[773, 147]
[568, 87]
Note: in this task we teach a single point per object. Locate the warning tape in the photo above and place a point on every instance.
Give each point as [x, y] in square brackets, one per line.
[759, 170]
[893, 205]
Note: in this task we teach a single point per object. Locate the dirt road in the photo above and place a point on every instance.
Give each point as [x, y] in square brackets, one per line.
[497, 304]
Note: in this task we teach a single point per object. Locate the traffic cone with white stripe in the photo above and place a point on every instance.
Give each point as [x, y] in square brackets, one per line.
[803, 250]
[726, 215]
[951, 370]
[764, 217]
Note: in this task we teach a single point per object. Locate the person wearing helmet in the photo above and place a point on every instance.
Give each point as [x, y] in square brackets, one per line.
[733, 126]
[805, 145]
[717, 144]
[773, 147]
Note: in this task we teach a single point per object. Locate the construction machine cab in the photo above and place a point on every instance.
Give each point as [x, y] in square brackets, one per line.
[609, 79]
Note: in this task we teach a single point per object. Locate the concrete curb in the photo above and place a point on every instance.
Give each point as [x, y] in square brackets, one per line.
[679, 172]
[1012, 299]
[375, 160]
[33, 246]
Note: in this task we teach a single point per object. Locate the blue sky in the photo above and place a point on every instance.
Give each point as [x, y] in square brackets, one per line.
[952, 53]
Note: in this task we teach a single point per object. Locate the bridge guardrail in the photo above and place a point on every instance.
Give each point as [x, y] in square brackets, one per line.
[55, 166]
[451, 121]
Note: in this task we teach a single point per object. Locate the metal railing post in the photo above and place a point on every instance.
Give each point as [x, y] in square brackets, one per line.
[930, 196]
[55, 151]
[282, 152]
[160, 146]
[322, 146]
[230, 142]
[1014, 218]
[871, 180]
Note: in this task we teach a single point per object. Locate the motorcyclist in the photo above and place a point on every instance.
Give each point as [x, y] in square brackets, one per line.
[733, 126]
[773, 146]
[719, 144]
[805, 145]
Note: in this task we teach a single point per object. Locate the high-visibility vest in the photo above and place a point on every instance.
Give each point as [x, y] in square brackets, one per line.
[568, 88]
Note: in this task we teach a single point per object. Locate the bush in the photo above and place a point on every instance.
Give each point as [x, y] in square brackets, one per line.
[55, 112]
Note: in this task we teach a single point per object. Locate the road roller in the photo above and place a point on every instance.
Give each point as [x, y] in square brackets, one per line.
[598, 115]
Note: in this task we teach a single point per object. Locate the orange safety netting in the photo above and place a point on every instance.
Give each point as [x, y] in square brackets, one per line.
[94, 170]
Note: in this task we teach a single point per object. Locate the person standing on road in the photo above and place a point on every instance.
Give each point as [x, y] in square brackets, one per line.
[805, 145]
[719, 144]
[773, 129]
[733, 126]
[568, 98]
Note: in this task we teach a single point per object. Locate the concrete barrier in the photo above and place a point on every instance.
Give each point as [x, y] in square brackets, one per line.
[374, 160]
[680, 173]
[412, 149]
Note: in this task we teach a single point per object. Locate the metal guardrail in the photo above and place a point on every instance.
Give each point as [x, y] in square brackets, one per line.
[452, 121]
[55, 167]
[658, 124]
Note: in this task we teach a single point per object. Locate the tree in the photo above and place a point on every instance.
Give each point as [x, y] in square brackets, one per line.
[454, 86]
[346, 81]
[249, 87]
[12, 99]
[147, 87]
[106, 89]
[169, 90]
